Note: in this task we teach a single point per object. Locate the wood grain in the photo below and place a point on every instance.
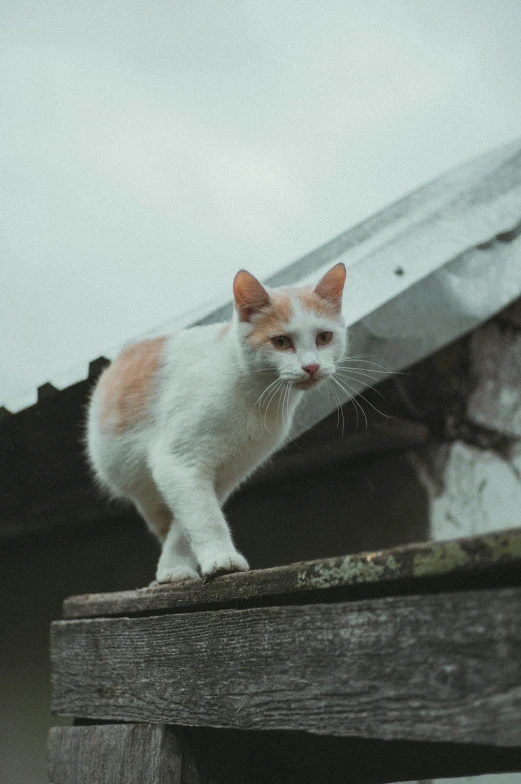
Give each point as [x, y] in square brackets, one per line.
[412, 562]
[443, 667]
[115, 754]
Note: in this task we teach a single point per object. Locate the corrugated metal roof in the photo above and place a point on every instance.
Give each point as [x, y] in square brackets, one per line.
[420, 273]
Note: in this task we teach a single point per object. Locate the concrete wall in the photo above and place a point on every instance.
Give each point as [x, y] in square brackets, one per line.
[473, 480]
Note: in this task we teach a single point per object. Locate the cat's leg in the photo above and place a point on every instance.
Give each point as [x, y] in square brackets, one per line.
[191, 496]
[177, 561]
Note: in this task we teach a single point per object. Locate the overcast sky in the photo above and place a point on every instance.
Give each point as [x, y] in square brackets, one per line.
[150, 150]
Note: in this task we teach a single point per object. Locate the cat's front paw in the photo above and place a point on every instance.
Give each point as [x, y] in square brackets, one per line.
[175, 574]
[221, 562]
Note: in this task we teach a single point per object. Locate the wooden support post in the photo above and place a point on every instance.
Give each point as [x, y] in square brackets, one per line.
[122, 754]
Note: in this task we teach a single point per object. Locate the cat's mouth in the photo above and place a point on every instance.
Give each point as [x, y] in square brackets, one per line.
[308, 383]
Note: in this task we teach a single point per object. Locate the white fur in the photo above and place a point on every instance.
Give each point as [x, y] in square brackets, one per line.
[214, 419]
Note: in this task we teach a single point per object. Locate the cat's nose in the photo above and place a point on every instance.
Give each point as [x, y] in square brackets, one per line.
[311, 369]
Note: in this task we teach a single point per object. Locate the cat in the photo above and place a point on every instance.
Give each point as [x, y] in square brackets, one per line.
[176, 423]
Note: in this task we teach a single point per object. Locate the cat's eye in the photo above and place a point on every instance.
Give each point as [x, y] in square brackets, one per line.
[282, 342]
[323, 338]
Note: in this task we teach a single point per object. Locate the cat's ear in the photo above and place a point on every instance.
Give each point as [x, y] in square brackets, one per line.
[331, 285]
[250, 295]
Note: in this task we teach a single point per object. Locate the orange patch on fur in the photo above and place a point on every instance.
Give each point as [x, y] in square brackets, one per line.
[224, 329]
[312, 301]
[162, 521]
[272, 320]
[127, 383]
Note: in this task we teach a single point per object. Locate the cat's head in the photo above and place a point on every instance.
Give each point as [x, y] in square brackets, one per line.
[296, 333]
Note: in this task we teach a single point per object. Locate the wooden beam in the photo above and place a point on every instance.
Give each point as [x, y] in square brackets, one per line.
[441, 667]
[115, 754]
[343, 577]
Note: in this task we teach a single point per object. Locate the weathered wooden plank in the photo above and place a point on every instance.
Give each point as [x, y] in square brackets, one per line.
[440, 667]
[116, 754]
[418, 561]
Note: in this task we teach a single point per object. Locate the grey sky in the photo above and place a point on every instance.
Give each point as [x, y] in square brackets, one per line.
[149, 150]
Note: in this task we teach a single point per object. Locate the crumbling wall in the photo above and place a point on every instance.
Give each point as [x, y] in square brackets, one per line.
[471, 469]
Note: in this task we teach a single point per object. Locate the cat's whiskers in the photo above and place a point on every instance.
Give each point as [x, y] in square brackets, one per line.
[259, 399]
[296, 418]
[280, 402]
[346, 371]
[275, 391]
[339, 409]
[329, 389]
[370, 369]
[347, 362]
[363, 371]
[345, 375]
[258, 402]
[286, 402]
[359, 394]
[278, 405]
[352, 399]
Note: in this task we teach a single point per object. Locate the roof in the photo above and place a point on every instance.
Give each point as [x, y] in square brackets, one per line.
[420, 273]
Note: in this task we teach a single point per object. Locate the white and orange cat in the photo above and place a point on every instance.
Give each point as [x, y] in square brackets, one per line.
[176, 423]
